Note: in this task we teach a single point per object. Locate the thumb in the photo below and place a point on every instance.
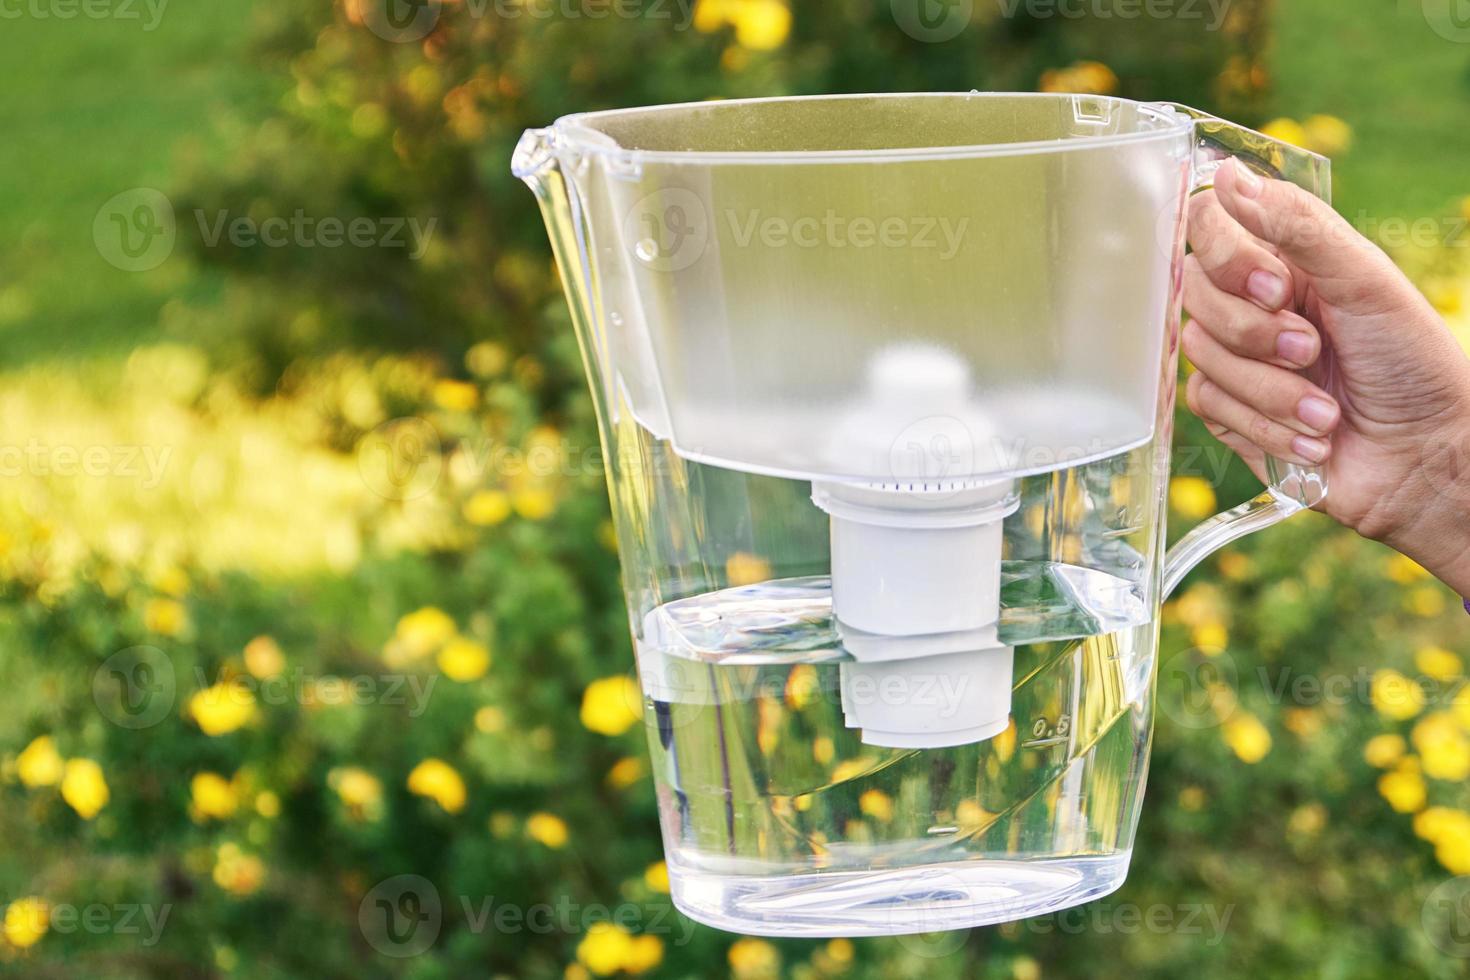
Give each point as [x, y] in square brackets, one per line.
[1303, 227]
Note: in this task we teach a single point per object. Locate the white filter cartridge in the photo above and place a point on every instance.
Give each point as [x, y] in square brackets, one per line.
[916, 560]
[929, 702]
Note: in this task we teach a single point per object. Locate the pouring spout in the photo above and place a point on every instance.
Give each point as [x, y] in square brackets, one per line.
[534, 158]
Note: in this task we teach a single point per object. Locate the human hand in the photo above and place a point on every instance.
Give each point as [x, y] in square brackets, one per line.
[1279, 283]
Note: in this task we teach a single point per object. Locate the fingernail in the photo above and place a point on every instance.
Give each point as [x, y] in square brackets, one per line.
[1266, 288]
[1319, 413]
[1295, 348]
[1312, 450]
[1246, 181]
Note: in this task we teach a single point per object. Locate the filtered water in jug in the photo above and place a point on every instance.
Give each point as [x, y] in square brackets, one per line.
[885, 388]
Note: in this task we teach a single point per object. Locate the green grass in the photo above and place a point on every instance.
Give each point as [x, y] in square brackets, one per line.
[95, 107]
[1404, 88]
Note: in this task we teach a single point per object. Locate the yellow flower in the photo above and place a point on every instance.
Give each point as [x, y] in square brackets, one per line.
[1439, 823]
[438, 780]
[1404, 790]
[359, 789]
[1443, 747]
[213, 796]
[625, 772]
[1383, 751]
[1437, 662]
[1247, 737]
[645, 953]
[1086, 77]
[464, 660]
[1286, 130]
[876, 804]
[534, 503]
[490, 720]
[268, 804]
[1405, 570]
[26, 921]
[1191, 497]
[486, 508]
[455, 396]
[612, 705]
[423, 631]
[39, 764]
[1426, 600]
[752, 958]
[170, 579]
[1327, 135]
[743, 568]
[1192, 798]
[83, 787]
[1308, 819]
[605, 948]
[803, 686]
[1210, 637]
[1396, 696]
[236, 872]
[548, 829]
[840, 951]
[656, 877]
[1454, 854]
[762, 25]
[222, 708]
[487, 359]
[1025, 968]
[166, 617]
[263, 658]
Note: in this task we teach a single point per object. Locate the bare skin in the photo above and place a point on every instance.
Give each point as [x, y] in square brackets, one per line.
[1278, 282]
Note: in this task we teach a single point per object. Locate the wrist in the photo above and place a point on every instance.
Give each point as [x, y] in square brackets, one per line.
[1437, 534]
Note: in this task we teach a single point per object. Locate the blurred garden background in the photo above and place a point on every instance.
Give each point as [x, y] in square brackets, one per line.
[253, 665]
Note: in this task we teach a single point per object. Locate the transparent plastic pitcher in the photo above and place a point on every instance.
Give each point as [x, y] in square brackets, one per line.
[885, 386]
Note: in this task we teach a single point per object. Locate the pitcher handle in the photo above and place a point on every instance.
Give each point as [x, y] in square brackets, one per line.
[1291, 487]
